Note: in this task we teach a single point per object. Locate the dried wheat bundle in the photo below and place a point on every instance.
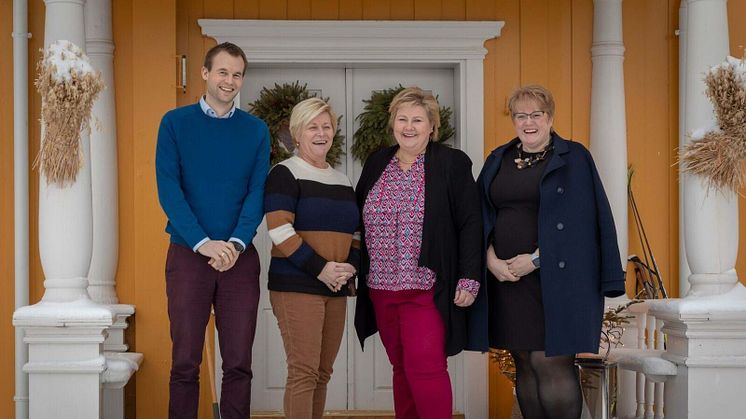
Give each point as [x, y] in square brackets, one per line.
[718, 154]
[68, 86]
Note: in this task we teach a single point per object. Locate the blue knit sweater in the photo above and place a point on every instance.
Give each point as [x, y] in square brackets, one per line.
[211, 174]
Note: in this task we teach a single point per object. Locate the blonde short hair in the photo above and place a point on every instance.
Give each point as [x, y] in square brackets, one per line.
[305, 111]
[539, 94]
[416, 96]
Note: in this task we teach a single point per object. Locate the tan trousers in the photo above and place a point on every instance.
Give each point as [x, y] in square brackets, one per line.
[311, 328]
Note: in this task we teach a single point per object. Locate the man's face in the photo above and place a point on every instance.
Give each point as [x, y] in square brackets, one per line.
[224, 80]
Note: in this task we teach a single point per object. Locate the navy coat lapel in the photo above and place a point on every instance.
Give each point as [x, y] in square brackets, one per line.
[556, 161]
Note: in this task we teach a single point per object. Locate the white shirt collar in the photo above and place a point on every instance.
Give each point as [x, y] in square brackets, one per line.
[211, 112]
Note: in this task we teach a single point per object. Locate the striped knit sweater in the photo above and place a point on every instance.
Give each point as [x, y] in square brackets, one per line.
[312, 218]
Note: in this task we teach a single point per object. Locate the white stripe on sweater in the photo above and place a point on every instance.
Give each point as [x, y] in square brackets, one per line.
[281, 233]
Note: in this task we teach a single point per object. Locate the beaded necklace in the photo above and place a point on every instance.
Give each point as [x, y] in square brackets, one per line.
[522, 162]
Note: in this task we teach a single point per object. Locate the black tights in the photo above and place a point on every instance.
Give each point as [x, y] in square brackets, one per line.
[547, 387]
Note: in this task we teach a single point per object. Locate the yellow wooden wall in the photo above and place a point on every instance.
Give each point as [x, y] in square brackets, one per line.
[543, 41]
[6, 210]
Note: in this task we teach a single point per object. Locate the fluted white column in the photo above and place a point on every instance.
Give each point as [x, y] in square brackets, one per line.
[66, 330]
[104, 191]
[684, 271]
[710, 216]
[706, 328]
[609, 138]
[65, 227]
[608, 118]
[105, 244]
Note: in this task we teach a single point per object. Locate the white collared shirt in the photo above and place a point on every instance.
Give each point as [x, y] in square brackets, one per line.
[211, 112]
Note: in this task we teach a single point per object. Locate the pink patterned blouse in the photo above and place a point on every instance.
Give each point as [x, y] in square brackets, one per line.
[393, 214]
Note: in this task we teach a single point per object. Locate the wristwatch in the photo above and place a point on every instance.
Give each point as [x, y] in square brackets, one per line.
[535, 260]
[238, 246]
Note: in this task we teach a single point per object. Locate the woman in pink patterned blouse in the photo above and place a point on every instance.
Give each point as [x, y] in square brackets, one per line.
[421, 256]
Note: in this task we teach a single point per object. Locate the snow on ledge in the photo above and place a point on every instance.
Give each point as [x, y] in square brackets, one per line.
[119, 368]
[731, 304]
[60, 314]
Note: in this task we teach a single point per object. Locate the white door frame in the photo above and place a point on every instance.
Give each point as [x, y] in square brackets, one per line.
[426, 43]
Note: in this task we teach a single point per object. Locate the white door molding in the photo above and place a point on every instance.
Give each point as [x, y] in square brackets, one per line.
[428, 43]
[431, 44]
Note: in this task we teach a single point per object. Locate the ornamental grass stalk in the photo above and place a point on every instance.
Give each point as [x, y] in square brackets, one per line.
[719, 154]
[68, 86]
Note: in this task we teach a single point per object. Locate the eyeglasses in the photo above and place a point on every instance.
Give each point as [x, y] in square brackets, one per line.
[523, 117]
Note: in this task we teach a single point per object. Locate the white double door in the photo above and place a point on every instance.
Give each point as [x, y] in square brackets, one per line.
[361, 380]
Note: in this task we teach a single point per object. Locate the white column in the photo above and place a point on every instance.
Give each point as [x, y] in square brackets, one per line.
[710, 216]
[66, 330]
[104, 190]
[706, 329]
[65, 227]
[105, 245]
[608, 119]
[684, 271]
[609, 140]
[706, 339]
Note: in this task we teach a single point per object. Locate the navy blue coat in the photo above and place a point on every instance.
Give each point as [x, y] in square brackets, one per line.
[580, 261]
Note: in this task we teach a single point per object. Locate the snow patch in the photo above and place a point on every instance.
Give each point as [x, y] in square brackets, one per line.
[738, 65]
[67, 59]
[699, 133]
[81, 311]
[733, 301]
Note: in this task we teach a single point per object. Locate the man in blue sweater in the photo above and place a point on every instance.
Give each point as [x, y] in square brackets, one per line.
[211, 163]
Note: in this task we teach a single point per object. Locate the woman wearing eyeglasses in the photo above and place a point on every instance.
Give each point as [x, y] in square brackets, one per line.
[551, 255]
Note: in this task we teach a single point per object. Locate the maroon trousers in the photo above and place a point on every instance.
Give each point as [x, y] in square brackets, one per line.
[193, 287]
[413, 333]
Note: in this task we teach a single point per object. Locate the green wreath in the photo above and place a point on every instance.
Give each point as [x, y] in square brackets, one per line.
[374, 134]
[274, 106]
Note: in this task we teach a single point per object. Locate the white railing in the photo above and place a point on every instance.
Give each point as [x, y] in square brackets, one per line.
[644, 357]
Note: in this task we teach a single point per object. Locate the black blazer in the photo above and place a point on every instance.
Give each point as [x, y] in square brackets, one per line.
[451, 244]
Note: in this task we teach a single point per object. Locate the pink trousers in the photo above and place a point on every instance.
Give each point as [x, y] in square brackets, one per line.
[413, 334]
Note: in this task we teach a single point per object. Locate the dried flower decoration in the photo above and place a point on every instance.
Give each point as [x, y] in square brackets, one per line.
[719, 153]
[68, 86]
[612, 326]
[274, 107]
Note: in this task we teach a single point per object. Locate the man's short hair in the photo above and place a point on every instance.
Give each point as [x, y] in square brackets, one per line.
[232, 50]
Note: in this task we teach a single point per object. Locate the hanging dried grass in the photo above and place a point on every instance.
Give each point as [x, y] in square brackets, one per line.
[68, 88]
[720, 154]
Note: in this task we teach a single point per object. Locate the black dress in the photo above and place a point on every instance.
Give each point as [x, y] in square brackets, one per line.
[516, 312]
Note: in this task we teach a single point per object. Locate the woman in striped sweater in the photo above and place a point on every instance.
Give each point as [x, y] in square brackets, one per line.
[312, 220]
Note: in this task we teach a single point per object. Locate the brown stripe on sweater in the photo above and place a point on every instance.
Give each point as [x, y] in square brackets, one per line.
[278, 218]
[288, 247]
[330, 245]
